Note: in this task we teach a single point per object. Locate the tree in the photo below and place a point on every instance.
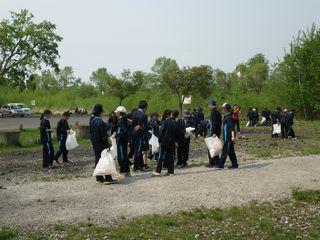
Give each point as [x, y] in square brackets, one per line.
[128, 84]
[66, 78]
[86, 90]
[100, 79]
[26, 46]
[196, 81]
[300, 70]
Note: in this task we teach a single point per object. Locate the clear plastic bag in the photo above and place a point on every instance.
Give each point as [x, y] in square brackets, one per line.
[71, 142]
[106, 165]
[263, 120]
[154, 142]
[114, 149]
[214, 146]
[276, 128]
[189, 131]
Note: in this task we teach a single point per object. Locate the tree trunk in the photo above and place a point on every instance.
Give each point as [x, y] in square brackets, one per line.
[121, 99]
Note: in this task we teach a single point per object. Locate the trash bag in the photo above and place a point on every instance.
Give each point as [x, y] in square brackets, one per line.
[154, 142]
[106, 165]
[114, 149]
[214, 146]
[276, 129]
[248, 124]
[189, 131]
[263, 121]
[71, 142]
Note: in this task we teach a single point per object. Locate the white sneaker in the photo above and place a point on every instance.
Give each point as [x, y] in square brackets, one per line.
[156, 174]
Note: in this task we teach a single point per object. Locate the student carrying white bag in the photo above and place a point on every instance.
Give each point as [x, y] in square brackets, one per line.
[71, 142]
[214, 146]
[154, 142]
[106, 165]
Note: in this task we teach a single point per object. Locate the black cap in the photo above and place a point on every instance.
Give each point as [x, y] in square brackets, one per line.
[97, 109]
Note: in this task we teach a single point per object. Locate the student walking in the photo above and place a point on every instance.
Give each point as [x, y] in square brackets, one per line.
[121, 135]
[167, 140]
[62, 134]
[140, 136]
[214, 129]
[235, 117]
[154, 126]
[46, 139]
[182, 142]
[229, 137]
[99, 139]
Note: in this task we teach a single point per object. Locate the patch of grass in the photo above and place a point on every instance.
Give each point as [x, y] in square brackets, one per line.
[296, 218]
[30, 141]
[7, 233]
[309, 196]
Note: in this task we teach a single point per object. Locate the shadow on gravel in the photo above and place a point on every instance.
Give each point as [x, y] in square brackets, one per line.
[254, 165]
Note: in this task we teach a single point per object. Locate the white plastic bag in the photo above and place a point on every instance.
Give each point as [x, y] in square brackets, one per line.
[154, 142]
[106, 165]
[263, 120]
[276, 128]
[214, 145]
[71, 142]
[248, 124]
[189, 131]
[114, 149]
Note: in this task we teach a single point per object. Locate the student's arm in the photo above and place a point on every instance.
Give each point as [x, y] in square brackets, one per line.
[162, 131]
[103, 131]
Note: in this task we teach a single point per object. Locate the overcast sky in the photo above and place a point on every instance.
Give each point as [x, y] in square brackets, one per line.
[119, 34]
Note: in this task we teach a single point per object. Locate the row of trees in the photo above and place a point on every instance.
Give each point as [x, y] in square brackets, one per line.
[27, 47]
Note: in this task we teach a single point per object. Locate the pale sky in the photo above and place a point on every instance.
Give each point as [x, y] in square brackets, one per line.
[119, 34]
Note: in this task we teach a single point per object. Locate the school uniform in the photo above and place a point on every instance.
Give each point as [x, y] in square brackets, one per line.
[183, 143]
[198, 117]
[283, 122]
[46, 140]
[167, 140]
[214, 129]
[275, 119]
[139, 138]
[99, 139]
[122, 144]
[289, 125]
[228, 145]
[62, 134]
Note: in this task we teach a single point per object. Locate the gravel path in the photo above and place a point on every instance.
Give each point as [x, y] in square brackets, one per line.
[69, 201]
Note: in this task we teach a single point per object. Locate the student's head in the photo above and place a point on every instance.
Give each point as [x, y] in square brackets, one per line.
[278, 109]
[97, 110]
[47, 113]
[66, 115]
[235, 106]
[120, 111]
[226, 107]
[200, 109]
[211, 104]
[143, 105]
[175, 113]
[154, 116]
[285, 111]
[166, 114]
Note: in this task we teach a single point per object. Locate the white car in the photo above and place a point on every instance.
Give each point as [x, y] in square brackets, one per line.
[26, 111]
[11, 110]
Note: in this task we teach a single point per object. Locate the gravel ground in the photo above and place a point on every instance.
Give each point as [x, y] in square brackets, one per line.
[36, 204]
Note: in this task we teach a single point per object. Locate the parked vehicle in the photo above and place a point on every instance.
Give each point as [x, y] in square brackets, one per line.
[26, 110]
[11, 110]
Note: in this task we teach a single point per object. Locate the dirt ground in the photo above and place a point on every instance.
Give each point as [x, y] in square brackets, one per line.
[32, 198]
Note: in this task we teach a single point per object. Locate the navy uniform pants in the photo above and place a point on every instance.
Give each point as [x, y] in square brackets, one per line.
[48, 154]
[228, 150]
[165, 156]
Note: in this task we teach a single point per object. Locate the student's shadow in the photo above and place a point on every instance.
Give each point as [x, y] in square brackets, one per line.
[254, 165]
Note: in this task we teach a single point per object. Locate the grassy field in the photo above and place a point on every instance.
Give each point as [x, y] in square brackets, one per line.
[295, 218]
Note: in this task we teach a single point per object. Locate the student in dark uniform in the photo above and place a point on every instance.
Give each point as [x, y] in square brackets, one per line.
[130, 135]
[140, 136]
[121, 135]
[283, 122]
[214, 129]
[154, 126]
[167, 141]
[112, 122]
[275, 119]
[182, 142]
[290, 131]
[99, 138]
[229, 137]
[62, 134]
[46, 139]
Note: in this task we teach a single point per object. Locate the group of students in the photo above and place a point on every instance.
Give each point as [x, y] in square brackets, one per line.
[132, 131]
